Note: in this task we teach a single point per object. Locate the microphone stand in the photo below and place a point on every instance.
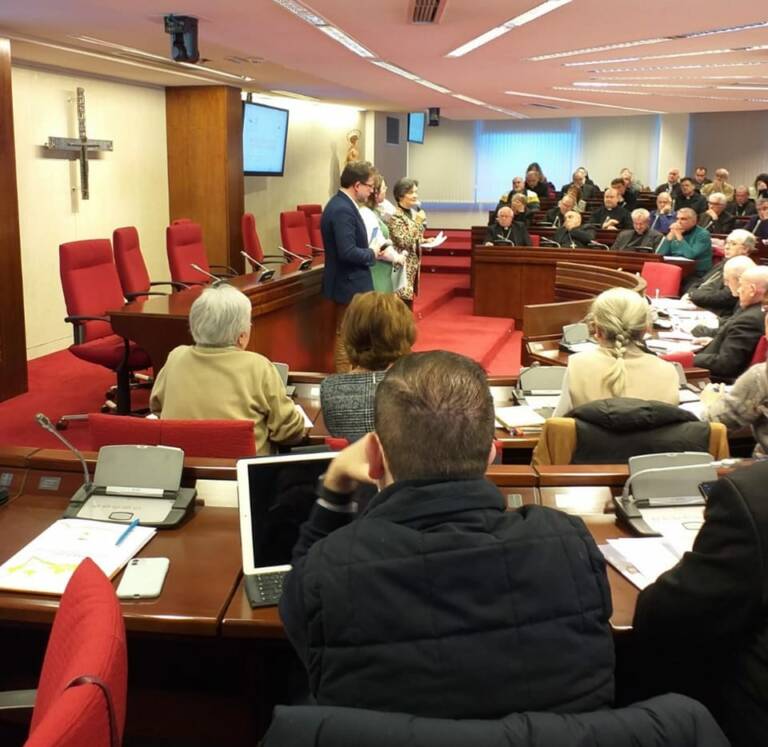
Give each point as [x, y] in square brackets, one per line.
[44, 422]
[305, 263]
[266, 273]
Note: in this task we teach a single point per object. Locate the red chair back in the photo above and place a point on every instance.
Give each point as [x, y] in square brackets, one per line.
[761, 350]
[184, 244]
[90, 283]
[251, 243]
[683, 357]
[309, 210]
[217, 439]
[181, 220]
[87, 640]
[131, 268]
[315, 234]
[662, 279]
[294, 233]
[535, 239]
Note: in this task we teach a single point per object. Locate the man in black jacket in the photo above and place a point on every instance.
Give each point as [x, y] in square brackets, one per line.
[729, 353]
[641, 237]
[506, 231]
[716, 219]
[437, 601]
[689, 197]
[704, 623]
[611, 216]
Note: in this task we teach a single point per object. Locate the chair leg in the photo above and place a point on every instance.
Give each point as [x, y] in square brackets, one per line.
[123, 392]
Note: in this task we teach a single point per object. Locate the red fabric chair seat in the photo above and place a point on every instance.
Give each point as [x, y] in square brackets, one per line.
[109, 351]
[683, 357]
[662, 279]
[294, 232]
[87, 639]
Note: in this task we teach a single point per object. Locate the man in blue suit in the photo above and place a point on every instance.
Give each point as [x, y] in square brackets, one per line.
[348, 258]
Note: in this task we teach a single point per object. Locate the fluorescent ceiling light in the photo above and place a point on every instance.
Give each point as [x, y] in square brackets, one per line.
[676, 67]
[433, 86]
[388, 66]
[726, 30]
[509, 112]
[596, 85]
[746, 89]
[651, 57]
[530, 15]
[346, 41]
[469, 100]
[302, 12]
[576, 101]
[601, 90]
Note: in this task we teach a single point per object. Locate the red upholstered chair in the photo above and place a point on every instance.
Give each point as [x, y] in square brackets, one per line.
[309, 210]
[251, 243]
[761, 352]
[81, 695]
[535, 239]
[663, 279]
[184, 244]
[217, 439]
[91, 289]
[683, 357]
[315, 235]
[335, 444]
[294, 233]
[180, 220]
[131, 268]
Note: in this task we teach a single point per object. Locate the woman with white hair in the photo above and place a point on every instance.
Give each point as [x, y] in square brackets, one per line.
[218, 379]
[619, 366]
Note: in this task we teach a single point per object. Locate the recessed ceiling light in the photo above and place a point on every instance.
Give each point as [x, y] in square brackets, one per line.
[745, 88]
[675, 67]
[530, 15]
[469, 100]
[601, 90]
[388, 66]
[599, 85]
[651, 57]
[585, 103]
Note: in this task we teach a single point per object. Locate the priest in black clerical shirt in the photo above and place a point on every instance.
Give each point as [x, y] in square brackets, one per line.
[689, 197]
[640, 237]
[611, 216]
[506, 232]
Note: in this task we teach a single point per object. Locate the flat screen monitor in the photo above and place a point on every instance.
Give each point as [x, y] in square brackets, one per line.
[265, 132]
[416, 123]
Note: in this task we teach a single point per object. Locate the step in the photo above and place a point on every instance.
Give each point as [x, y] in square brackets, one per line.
[459, 265]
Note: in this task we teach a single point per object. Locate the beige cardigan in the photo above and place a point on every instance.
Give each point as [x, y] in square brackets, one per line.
[201, 383]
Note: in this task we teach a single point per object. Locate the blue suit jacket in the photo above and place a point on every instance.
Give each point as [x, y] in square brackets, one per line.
[348, 258]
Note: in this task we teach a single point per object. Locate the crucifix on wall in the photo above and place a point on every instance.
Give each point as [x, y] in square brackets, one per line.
[79, 147]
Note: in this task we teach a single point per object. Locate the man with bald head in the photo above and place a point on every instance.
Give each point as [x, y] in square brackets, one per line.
[742, 204]
[719, 184]
[641, 237]
[672, 185]
[611, 216]
[556, 214]
[711, 293]
[506, 231]
[729, 353]
[686, 239]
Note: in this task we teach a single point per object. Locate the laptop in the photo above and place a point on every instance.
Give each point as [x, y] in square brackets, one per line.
[275, 497]
[282, 369]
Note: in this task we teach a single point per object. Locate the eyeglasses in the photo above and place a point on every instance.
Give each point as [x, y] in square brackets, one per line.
[369, 185]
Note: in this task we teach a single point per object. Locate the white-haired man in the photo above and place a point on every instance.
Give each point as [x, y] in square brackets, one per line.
[716, 219]
[742, 205]
[641, 236]
[729, 353]
[719, 184]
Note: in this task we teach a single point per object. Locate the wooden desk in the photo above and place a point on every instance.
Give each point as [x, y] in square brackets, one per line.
[292, 321]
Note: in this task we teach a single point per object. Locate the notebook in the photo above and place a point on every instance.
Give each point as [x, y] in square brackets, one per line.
[275, 497]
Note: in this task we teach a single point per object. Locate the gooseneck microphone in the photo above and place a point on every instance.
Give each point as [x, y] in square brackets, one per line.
[305, 262]
[205, 272]
[315, 249]
[600, 244]
[266, 273]
[551, 242]
[44, 422]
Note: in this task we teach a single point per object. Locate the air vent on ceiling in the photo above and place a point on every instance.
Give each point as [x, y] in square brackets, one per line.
[427, 11]
[545, 106]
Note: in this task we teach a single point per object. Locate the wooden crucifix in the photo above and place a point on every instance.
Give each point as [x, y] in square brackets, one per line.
[80, 146]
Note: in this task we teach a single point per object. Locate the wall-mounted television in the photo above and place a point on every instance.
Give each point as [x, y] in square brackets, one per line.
[416, 123]
[265, 132]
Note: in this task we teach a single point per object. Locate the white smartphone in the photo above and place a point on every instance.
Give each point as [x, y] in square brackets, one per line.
[143, 578]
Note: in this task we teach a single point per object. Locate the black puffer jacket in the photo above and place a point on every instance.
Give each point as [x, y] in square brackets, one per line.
[437, 602]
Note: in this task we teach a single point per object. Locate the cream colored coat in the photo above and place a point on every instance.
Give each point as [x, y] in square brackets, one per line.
[202, 383]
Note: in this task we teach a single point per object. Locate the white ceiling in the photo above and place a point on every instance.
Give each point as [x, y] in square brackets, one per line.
[290, 55]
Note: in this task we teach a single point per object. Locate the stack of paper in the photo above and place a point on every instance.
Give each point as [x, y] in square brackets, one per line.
[434, 242]
[519, 416]
[47, 563]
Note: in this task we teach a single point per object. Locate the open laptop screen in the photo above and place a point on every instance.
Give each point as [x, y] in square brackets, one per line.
[276, 495]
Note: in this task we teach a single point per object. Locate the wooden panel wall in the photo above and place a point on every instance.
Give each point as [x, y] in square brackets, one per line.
[205, 165]
[13, 347]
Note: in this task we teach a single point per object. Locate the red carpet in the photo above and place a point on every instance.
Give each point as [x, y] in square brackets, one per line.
[61, 384]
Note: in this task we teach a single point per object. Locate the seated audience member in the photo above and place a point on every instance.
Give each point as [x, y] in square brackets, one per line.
[742, 204]
[571, 234]
[611, 216]
[732, 271]
[672, 185]
[746, 404]
[627, 198]
[619, 366]
[437, 601]
[217, 378]
[689, 197]
[521, 211]
[641, 236]
[686, 239]
[377, 329]
[717, 219]
[758, 224]
[535, 181]
[729, 352]
[664, 216]
[588, 180]
[629, 179]
[575, 194]
[760, 188]
[556, 214]
[711, 293]
[579, 179]
[702, 627]
[518, 188]
[506, 231]
[700, 177]
[719, 184]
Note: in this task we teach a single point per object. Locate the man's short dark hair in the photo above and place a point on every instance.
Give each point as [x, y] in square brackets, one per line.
[356, 171]
[686, 179]
[617, 182]
[434, 417]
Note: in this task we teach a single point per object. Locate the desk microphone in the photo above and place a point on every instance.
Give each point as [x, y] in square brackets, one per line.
[305, 262]
[643, 248]
[44, 422]
[551, 242]
[315, 249]
[597, 243]
[205, 272]
[266, 273]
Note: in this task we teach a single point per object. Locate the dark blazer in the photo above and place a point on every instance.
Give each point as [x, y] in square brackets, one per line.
[730, 352]
[579, 237]
[708, 616]
[629, 240]
[724, 224]
[748, 208]
[555, 216]
[619, 213]
[713, 294]
[516, 234]
[696, 202]
[439, 602]
[348, 258]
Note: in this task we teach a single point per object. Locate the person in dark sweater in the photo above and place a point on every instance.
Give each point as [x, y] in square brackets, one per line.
[641, 237]
[611, 216]
[436, 600]
[716, 219]
[571, 235]
[506, 231]
[743, 204]
[689, 197]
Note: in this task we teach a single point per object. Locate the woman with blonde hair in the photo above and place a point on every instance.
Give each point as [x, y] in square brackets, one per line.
[377, 329]
[619, 366]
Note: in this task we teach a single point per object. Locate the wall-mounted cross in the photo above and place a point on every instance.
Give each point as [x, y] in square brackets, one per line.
[80, 146]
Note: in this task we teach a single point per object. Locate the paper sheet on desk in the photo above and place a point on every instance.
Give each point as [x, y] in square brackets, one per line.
[643, 559]
[679, 526]
[307, 420]
[538, 402]
[518, 416]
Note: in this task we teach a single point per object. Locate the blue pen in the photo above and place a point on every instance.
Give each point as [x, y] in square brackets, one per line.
[127, 531]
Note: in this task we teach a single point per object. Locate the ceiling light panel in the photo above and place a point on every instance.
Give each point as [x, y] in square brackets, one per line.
[585, 103]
